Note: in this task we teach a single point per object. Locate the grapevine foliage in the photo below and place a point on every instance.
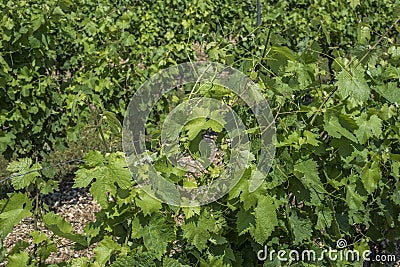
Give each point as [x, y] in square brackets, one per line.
[334, 94]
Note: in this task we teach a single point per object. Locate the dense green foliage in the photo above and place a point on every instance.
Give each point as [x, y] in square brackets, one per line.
[334, 95]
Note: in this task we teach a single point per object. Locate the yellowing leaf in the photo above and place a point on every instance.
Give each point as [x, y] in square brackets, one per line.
[354, 3]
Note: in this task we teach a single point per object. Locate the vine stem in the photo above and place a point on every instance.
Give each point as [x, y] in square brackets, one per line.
[357, 64]
[36, 218]
[98, 125]
[377, 42]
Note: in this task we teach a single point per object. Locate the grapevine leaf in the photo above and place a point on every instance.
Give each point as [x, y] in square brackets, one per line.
[136, 228]
[19, 260]
[16, 208]
[396, 196]
[79, 262]
[102, 187]
[266, 219]
[301, 228]
[353, 199]
[368, 128]
[390, 91]
[38, 237]
[198, 234]
[214, 261]
[93, 158]
[354, 3]
[325, 218]
[311, 138]
[143, 259]
[157, 235]
[371, 176]
[105, 249]
[335, 129]
[18, 247]
[307, 172]
[147, 203]
[169, 262]
[22, 166]
[244, 221]
[113, 123]
[191, 211]
[107, 173]
[60, 227]
[194, 127]
[83, 177]
[285, 51]
[353, 85]
[118, 171]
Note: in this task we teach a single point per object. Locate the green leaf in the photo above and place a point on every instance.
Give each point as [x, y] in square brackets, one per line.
[60, 227]
[196, 126]
[311, 138]
[301, 228]
[147, 203]
[198, 234]
[14, 209]
[325, 218]
[353, 85]
[104, 250]
[334, 128]
[285, 51]
[142, 259]
[93, 158]
[113, 170]
[368, 128]
[390, 91]
[79, 262]
[353, 199]
[266, 219]
[364, 33]
[19, 168]
[19, 260]
[371, 175]
[19, 246]
[58, 11]
[38, 237]
[169, 262]
[244, 221]
[354, 3]
[157, 234]
[307, 172]
[113, 122]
